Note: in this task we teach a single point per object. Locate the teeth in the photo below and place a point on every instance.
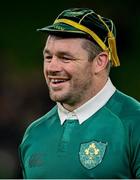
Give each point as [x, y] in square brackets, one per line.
[57, 80]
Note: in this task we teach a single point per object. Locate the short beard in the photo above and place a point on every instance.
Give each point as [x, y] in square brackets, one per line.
[69, 98]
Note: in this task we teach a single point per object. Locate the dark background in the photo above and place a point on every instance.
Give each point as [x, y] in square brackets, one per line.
[23, 91]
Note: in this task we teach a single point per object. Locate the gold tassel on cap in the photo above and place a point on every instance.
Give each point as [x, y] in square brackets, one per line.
[112, 44]
[113, 49]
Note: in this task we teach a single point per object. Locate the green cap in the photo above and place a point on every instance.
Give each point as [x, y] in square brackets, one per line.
[85, 22]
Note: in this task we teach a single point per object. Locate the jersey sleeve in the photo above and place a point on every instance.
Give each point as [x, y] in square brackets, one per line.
[135, 145]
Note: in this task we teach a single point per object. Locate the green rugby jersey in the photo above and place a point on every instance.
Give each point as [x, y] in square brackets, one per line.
[105, 146]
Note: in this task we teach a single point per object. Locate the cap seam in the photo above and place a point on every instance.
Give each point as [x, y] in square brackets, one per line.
[84, 17]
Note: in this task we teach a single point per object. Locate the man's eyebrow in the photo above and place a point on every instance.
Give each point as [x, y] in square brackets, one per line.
[46, 51]
[60, 53]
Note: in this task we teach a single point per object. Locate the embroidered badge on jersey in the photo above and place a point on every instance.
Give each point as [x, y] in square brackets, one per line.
[91, 153]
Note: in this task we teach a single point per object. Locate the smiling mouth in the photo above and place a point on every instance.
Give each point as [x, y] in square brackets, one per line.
[58, 81]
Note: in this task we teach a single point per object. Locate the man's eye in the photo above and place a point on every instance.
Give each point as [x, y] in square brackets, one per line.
[47, 58]
[66, 59]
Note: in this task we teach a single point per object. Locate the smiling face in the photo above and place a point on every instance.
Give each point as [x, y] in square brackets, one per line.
[68, 73]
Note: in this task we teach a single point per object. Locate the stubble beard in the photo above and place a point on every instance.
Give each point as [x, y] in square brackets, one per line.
[62, 98]
[75, 95]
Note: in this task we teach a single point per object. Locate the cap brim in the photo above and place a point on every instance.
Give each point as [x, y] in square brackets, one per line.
[61, 28]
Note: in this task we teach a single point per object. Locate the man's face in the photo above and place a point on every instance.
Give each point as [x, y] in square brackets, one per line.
[68, 73]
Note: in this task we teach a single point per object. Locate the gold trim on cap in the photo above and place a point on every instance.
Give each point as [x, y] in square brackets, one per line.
[83, 28]
[111, 39]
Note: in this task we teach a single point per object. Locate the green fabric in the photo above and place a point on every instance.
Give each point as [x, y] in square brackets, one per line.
[107, 145]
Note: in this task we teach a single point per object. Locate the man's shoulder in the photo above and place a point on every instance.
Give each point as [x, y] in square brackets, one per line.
[40, 122]
[127, 102]
[124, 106]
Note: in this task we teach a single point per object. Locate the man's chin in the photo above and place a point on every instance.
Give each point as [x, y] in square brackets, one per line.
[57, 98]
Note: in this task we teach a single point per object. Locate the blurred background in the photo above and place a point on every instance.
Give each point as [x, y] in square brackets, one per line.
[23, 91]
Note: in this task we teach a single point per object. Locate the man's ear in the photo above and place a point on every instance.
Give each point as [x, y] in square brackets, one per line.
[101, 61]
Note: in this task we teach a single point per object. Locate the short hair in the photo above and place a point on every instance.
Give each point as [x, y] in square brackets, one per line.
[93, 50]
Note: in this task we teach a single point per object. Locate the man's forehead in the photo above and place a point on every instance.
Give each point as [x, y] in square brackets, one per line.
[65, 46]
[54, 40]
[65, 38]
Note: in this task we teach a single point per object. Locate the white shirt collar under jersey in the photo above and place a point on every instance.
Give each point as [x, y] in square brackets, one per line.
[90, 107]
